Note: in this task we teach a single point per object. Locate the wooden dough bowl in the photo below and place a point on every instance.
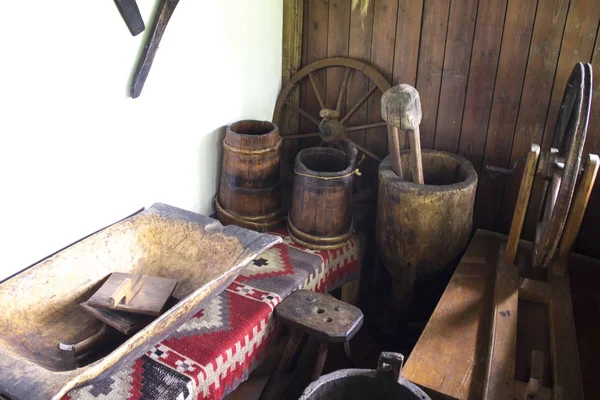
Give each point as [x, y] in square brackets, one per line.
[40, 306]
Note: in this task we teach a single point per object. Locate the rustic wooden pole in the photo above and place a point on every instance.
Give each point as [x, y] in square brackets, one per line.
[291, 57]
[521, 204]
[163, 14]
[416, 162]
[577, 210]
[394, 146]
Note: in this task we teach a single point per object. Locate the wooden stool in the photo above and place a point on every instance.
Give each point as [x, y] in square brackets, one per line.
[321, 317]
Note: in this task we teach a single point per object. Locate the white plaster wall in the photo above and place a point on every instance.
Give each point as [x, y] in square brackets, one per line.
[76, 153]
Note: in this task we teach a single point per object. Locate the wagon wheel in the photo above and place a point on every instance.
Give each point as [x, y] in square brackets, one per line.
[561, 165]
[331, 125]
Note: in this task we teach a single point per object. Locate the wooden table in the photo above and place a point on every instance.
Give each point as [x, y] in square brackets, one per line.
[450, 357]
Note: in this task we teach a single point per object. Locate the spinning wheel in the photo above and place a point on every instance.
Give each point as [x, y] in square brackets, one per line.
[561, 212]
[561, 164]
[331, 125]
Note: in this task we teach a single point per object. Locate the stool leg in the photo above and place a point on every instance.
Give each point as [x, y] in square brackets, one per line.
[286, 357]
[350, 292]
[348, 354]
[297, 355]
[320, 363]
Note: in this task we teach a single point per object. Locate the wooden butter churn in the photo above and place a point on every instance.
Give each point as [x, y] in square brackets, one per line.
[321, 215]
[249, 194]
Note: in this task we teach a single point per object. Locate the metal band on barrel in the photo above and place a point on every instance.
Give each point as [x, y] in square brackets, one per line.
[252, 152]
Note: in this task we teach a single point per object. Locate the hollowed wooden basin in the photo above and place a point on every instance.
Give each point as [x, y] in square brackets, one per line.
[422, 228]
[40, 305]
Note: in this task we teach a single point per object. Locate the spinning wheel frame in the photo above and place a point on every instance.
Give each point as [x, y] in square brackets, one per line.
[561, 164]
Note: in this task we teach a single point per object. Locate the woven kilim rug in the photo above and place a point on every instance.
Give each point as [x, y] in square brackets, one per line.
[215, 351]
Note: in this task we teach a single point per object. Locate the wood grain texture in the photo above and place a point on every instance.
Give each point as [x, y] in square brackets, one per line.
[482, 76]
[361, 32]
[315, 40]
[321, 214]
[457, 59]
[409, 216]
[576, 213]
[150, 300]
[291, 58]
[406, 52]
[431, 62]
[382, 59]
[338, 38]
[408, 35]
[320, 315]
[501, 108]
[588, 240]
[518, 27]
[500, 379]
[523, 201]
[249, 191]
[566, 374]
[451, 354]
[161, 19]
[537, 89]
[577, 46]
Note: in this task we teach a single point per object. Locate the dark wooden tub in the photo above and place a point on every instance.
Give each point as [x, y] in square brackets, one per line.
[321, 215]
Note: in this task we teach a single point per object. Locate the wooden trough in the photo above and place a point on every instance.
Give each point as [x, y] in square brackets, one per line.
[40, 306]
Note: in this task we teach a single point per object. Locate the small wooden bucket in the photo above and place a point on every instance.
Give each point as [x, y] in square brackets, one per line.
[249, 195]
[421, 228]
[321, 216]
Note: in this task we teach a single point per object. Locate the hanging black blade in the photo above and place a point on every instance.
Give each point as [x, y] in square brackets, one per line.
[131, 14]
[163, 14]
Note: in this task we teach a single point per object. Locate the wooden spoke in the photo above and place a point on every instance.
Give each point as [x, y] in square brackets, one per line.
[301, 136]
[362, 101]
[361, 127]
[367, 152]
[303, 113]
[343, 90]
[317, 88]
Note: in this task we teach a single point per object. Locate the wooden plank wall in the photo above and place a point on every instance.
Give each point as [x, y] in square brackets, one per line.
[490, 74]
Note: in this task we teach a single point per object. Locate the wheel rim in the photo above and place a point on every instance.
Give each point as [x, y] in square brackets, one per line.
[561, 164]
[331, 125]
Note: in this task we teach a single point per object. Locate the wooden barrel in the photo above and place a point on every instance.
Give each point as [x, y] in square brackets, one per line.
[321, 215]
[422, 228]
[249, 194]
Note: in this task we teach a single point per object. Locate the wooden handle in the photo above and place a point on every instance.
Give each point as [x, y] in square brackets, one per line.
[416, 162]
[139, 284]
[121, 292]
[87, 344]
[394, 145]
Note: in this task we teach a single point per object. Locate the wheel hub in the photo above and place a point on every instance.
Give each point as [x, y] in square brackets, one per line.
[331, 130]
